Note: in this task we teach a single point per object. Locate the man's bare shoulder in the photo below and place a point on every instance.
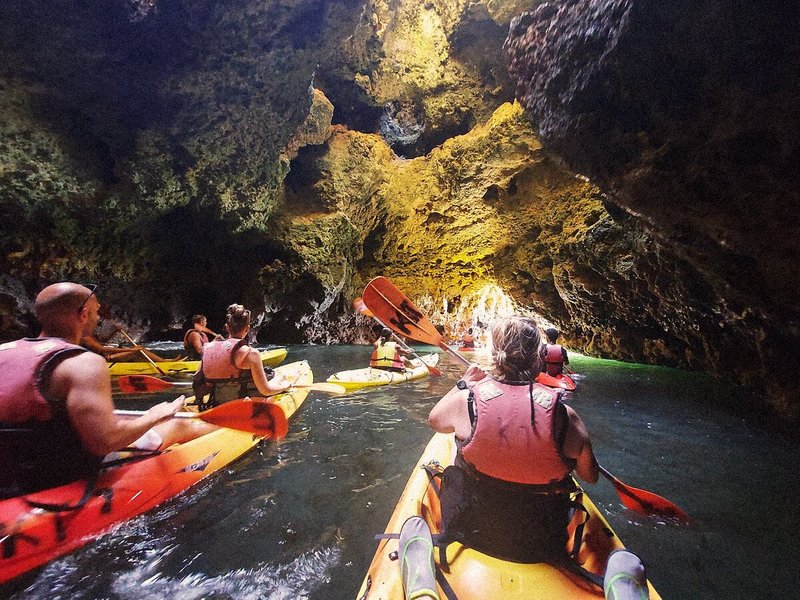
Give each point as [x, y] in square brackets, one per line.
[85, 363]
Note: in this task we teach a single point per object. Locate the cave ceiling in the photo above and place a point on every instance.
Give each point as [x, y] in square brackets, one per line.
[626, 170]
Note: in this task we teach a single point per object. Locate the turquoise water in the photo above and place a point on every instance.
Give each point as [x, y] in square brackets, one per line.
[295, 520]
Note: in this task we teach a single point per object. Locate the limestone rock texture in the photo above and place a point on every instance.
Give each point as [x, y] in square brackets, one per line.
[686, 114]
[641, 196]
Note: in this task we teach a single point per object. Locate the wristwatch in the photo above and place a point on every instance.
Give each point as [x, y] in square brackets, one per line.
[461, 384]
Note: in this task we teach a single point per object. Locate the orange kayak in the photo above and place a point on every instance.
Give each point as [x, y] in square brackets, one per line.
[31, 537]
[476, 576]
[563, 381]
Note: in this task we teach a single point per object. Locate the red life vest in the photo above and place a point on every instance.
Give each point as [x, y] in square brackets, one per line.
[386, 356]
[220, 375]
[38, 444]
[554, 358]
[507, 443]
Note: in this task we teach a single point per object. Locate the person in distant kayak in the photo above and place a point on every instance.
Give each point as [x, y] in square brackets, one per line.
[388, 355]
[97, 342]
[554, 356]
[195, 339]
[57, 418]
[120, 354]
[508, 492]
[468, 340]
[231, 369]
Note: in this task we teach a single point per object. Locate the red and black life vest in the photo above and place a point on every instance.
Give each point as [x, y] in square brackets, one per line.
[509, 492]
[513, 436]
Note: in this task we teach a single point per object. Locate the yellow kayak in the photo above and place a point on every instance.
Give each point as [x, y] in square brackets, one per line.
[270, 358]
[369, 377]
[477, 576]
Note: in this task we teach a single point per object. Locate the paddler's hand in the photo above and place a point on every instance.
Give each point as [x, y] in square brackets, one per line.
[474, 374]
[167, 410]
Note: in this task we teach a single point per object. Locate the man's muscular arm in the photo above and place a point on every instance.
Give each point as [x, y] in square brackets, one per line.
[84, 384]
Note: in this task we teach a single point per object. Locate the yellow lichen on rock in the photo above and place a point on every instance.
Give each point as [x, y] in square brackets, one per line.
[447, 225]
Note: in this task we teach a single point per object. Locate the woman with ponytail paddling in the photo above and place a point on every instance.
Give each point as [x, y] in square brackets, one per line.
[231, 369]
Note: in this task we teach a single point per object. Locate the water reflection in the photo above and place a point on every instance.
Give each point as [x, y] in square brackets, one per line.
[296, 519]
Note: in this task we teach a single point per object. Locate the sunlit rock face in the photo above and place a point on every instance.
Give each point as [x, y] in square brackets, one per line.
[434, 69]
[686, 113]
[490, 210]
[190, 154]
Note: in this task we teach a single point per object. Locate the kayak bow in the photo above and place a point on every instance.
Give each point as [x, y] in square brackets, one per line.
[31, 537]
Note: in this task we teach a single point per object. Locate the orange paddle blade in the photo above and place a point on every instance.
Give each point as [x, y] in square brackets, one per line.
[645, 502]
[432, 370]
[142, 384]
[257, 415]
[359, 305]
[396, 311]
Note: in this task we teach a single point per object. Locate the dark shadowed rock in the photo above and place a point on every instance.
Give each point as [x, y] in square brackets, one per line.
[687, 114]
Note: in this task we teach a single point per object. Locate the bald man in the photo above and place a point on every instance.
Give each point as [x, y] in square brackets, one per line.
[57, 418]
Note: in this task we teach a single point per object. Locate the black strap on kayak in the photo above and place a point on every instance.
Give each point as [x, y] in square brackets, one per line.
[89, 489]
[87, 493]
[577, 539]
[571, 564]
[573, 567]
[434, 471]
[444, 584]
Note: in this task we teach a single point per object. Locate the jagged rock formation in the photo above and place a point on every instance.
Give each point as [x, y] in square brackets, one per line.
[686, 113]
[191, 154]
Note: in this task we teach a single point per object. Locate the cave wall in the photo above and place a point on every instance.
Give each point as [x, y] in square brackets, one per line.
[191, 154]
[686, 114]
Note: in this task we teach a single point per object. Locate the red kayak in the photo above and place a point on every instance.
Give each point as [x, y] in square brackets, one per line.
[31, 536]
[563, 381]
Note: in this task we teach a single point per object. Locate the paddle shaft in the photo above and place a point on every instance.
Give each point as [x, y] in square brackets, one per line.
[431, 336]
[143, 353]
[139, 413]
[148, 383]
